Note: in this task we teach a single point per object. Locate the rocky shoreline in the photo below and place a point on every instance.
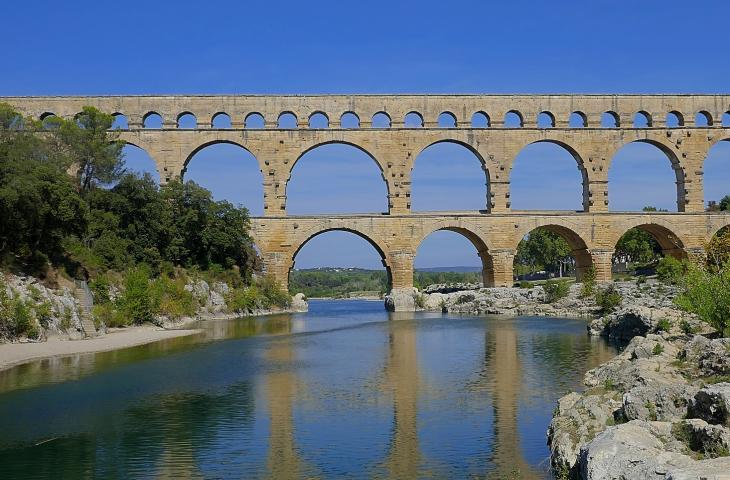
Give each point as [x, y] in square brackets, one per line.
[658, 410]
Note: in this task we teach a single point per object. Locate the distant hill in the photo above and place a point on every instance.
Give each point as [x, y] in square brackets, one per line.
[462, 268]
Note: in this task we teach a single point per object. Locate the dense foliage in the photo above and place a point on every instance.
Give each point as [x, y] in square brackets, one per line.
[102, 218]
[706, 293]
[545, 250]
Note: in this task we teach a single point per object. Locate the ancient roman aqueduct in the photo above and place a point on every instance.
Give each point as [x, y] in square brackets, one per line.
[591, 127]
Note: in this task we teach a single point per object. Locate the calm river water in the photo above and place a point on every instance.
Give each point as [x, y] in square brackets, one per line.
[346, 390]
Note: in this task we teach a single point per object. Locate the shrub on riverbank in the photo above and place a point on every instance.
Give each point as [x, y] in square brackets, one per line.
[706, 293]
[608, 298]
[264, 293]
[555, 290]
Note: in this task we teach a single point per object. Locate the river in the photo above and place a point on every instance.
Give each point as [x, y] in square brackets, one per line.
[345, 390]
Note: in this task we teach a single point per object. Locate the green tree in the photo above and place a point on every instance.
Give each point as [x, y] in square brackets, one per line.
[93, 151]
[636, 245]
[725, 203]
[544, 249]
[707, 294]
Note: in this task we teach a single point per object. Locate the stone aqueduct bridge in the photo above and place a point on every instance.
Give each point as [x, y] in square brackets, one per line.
[396, 234]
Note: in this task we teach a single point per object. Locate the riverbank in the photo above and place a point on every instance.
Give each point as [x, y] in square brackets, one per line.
[14, 354]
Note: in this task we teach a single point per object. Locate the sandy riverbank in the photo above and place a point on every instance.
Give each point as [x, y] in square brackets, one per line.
[12, 354]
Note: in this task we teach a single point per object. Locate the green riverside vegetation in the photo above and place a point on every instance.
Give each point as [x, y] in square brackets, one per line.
[69, 207]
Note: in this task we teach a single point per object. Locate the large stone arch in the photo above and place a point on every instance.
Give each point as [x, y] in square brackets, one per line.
[670, 151]
[423, 146]
[671, 243]
[159, 168]
[318, 144]
[218, 141]
[577, 156]
[303, 238]
[471, 234]
[580, 245]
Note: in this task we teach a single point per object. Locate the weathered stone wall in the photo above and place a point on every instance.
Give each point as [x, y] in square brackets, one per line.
[592, 233]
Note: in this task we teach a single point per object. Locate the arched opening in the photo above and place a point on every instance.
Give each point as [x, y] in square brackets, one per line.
[187, 121]
[254, 121]
[230, 172]
[352, 264]
[119, 122]
[336, 178]
[726, 119]
[640, 248]
[513, 119]
[152, 120]
[548, 176]
[480, 120]
[452, 255]
[703, 119]
[675, 119]
[349, 120]
[447, 120]
[138, 161]
[551, 251]
[381, 120]
[318, 120]
[642, 174]
[609, 120]
[578, 120]
[448, 176]
[287, 120]
[642, 120]
[413, 120]
[545, 120]
[221, 120]
[50, 121]
[716, 177]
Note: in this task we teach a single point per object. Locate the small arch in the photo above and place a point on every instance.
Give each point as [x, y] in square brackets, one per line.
[326, 254]
[318, 120]
[703, 119]
[610, 120]
[45, 115]
[726, 119]
[381, 120]
[675, 119]
[717, 252]
[642, 119]
[716, 174]
[221, 120]
[187, 121]
[568, 252]
[447, 120]
[50, 120]
[287, 121]
[349, 120]
[152, 120]
[578, 120]
[413, 120]
[254, 121]
[431, 248]
[480, 120]
[513, 119]
[545, 120]
[119, 121]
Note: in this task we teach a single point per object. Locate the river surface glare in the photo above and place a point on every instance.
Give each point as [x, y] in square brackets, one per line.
[343, 391]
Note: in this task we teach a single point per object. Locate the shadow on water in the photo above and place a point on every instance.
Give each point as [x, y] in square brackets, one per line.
[346, 390]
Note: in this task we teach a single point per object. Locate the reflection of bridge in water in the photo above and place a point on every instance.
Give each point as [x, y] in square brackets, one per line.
[602, 125]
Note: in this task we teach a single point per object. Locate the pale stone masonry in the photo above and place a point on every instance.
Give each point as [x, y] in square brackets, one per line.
[496, 230]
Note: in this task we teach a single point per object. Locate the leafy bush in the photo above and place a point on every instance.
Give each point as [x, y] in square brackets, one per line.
[658, 349]
[588, 286]
[136, 301]
[109, 315]
[608, 298]
[525, 284]
[554, 291]
[670, 270]
[169, 298]
[687, 328]
[707, 294]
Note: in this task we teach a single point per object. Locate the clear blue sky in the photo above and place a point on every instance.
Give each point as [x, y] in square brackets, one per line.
[137, 47]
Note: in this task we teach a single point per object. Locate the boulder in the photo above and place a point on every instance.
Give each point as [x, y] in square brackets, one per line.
[665, 402]
[299, 303]
[401, 300]
[712, 404]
